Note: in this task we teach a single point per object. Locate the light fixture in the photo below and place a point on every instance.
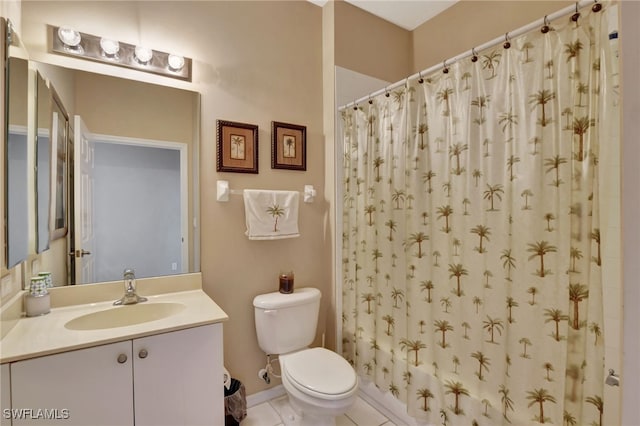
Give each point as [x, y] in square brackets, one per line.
[176, 62]
[69, 42]
[70, 38]
[110, 48]
[143, 55]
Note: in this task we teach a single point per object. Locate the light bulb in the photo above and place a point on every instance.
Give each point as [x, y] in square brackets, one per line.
[109, 47]
[69, 36]
[143, 55]
[176, 62]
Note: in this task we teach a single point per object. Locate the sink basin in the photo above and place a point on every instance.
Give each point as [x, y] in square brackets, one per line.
[125, 315]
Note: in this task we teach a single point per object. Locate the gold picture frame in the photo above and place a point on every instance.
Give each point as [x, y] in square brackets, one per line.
[288, 146]
[237, 147]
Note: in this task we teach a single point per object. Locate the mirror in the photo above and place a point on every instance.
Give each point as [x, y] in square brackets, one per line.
[59, 172]
[43, 163]
[16, 154]
[131, 159]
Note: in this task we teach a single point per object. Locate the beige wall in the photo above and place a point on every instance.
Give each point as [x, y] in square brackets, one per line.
[470, 23]
[370, 45]
[118, 107]
[18, 92]
[630, 198]
[271, 71]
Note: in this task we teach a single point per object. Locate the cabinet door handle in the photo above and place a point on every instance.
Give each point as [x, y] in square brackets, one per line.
[122, 358]
[143, 353]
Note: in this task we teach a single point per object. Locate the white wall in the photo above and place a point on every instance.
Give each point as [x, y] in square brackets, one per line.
[136, 211]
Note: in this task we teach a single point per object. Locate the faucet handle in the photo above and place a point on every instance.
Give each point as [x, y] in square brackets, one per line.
[129, 273]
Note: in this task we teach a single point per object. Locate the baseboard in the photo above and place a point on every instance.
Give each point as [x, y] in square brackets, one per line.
[392, 408]
[265, 395]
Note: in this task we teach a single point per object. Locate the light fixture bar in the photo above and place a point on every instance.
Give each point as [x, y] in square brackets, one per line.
[90, 48]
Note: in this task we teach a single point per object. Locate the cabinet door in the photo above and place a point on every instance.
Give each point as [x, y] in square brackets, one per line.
[84, 387]
[5, 395]
[178, 378]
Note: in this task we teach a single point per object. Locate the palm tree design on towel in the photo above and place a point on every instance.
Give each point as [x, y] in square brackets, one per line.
[275, 211]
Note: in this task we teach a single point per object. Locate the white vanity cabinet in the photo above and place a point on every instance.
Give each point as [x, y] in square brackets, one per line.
[82, 387]
[5, 394]
[173, 378]
[178, 378]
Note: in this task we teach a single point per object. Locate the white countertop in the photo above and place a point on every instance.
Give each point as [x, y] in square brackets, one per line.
[46, 334]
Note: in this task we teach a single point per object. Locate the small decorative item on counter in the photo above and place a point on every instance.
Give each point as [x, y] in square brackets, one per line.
[286, 282]
[38, 301]
[47, 278]
[38, 285]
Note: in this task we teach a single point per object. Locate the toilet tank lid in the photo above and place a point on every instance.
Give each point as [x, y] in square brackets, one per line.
[277, 300]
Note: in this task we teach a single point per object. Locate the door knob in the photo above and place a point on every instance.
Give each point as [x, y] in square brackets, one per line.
[143, 353]
[82, 253]
[122, 358]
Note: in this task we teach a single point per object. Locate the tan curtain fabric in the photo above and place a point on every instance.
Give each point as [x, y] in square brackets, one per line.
[471, 245]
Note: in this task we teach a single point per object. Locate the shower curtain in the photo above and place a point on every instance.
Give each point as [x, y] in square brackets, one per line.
[471, 240]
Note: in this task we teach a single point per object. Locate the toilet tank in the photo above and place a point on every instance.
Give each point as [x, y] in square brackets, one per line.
[286, 322]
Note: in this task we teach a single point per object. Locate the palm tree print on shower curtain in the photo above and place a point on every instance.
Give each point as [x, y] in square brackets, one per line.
[471, 233]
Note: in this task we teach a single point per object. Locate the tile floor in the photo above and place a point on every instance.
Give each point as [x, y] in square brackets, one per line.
[277, 411]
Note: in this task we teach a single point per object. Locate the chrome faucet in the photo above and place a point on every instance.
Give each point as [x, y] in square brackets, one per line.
[130, 296]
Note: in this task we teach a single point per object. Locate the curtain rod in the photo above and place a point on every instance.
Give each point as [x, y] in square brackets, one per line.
[511, 34]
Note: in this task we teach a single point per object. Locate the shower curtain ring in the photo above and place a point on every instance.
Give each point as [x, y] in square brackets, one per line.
[545, 26]
[474, 57]
[386, 92]
[370, 101]
[355, 105]
[445, 69]
[597, 7]
[420, 79]
[576, 15]
[507, 43]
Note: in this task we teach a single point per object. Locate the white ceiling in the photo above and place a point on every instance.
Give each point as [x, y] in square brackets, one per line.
[408, 14]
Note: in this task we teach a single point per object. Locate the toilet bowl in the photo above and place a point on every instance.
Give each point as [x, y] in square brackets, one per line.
[321, 385]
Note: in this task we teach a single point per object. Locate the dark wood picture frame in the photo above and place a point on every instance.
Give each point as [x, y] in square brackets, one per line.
[288, 146]
[237, 147]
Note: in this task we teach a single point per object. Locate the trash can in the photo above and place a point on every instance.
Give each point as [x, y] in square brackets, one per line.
[235, 403]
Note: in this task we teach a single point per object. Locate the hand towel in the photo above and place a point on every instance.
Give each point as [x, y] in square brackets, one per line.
[271, 215]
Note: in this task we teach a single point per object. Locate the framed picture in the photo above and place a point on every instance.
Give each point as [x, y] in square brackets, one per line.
[237, 147]
[59, 174]
[288, 146]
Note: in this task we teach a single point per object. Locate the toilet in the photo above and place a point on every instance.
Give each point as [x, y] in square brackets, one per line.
[321, 385]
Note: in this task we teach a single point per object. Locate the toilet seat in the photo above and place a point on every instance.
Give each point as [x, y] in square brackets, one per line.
[320, 373]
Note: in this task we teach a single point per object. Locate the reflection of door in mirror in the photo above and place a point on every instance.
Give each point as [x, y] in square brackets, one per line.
[43, 162]
[83, 223]
[17, 234]
[130, 208]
